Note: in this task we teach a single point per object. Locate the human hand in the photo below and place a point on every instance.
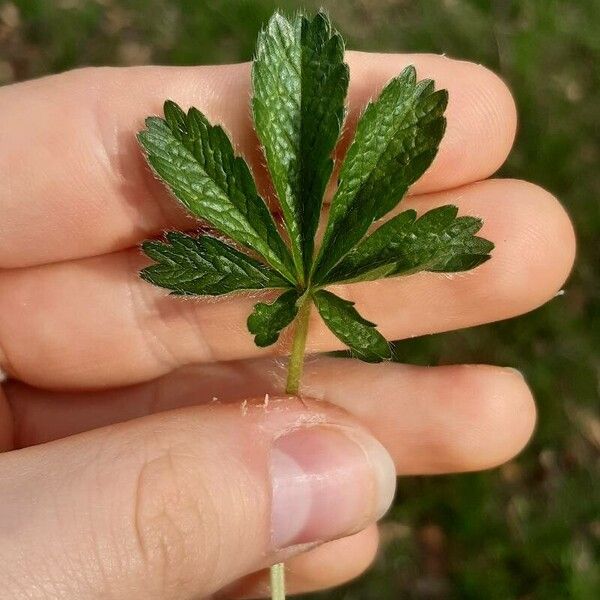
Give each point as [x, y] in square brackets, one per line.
[143, 485]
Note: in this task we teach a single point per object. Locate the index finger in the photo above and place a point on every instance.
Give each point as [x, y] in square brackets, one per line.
[74, 184]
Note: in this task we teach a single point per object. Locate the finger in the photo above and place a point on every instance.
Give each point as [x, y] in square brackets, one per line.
[181, 504]
[431, 419]
[95, 323]
[7, 436]
[327, 566]
[74, 183]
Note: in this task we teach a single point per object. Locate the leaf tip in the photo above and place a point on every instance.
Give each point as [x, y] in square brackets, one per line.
[408, 74]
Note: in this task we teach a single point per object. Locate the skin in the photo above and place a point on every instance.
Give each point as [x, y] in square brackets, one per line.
[107, 375]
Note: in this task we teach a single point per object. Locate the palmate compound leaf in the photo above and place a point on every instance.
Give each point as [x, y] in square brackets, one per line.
[299, 82]
[396, 140]
[439, 240]
[299, 85]
[347, 325]
[205, 266]
[196, 160]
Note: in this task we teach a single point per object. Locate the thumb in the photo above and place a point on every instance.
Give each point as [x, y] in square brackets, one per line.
[180, 504]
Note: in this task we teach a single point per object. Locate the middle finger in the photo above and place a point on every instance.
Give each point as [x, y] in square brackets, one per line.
[94, 323]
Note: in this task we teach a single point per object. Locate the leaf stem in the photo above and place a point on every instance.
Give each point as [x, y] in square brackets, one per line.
[296, 362]
[292, 386]
[278, 582]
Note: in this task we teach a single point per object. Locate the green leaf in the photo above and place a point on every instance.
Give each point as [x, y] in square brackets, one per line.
[197, 162]
[268, 320]
[205, 266]
[437, 241]
[347, 325]
[299, 82]
[396, 140]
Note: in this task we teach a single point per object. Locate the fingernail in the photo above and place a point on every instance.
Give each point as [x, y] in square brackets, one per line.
[328, 481]
[514, 371]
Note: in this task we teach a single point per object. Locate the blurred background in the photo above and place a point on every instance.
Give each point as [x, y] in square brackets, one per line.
[531, 529]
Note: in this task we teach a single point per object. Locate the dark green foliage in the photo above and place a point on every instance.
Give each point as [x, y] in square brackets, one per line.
[205, 266]
[299, 82]
[357, 333]
[437, 241]
[267, 320]
[196, 160]
[396, 140]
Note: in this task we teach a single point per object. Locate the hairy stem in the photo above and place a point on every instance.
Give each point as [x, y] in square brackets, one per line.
[278, 582]
[292, 387]
[296, 363]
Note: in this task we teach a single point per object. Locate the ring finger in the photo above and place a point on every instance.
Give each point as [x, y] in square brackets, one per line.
[431, 419]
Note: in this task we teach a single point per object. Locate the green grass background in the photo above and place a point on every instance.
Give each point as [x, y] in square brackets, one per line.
[530, 529]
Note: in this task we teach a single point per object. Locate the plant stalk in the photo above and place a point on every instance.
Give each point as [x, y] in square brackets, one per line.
[278, 582]
[296, 362]
[292, 387]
